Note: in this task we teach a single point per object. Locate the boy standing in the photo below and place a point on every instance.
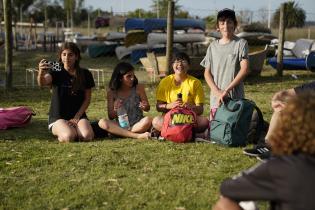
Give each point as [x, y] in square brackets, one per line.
[226, 62]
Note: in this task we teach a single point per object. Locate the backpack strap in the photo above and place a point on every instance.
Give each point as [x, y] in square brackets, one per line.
[260, 125]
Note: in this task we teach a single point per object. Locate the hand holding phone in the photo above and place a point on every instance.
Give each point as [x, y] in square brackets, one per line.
[43, 67]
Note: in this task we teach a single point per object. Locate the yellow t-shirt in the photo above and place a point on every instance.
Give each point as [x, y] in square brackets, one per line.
[191, 89]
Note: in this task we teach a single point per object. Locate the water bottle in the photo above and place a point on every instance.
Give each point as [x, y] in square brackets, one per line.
[123, 118]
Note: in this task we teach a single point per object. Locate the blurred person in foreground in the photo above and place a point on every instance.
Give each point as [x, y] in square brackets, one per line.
[286, 180]
[278, 102]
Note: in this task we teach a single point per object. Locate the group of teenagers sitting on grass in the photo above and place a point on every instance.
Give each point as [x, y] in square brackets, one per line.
[291, 135]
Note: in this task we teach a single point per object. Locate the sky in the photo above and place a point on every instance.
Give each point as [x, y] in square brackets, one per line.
[201, 8]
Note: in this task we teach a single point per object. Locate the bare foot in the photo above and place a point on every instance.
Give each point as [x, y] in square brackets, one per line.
[145, 135]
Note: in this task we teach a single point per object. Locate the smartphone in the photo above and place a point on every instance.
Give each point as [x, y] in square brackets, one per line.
[55, 65]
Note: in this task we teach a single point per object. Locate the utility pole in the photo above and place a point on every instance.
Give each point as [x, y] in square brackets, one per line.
[281, 41]
[170, 35]
[8, 42]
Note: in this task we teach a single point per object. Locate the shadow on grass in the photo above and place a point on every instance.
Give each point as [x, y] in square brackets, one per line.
[24, 95]
[36, 130]
[288, 77]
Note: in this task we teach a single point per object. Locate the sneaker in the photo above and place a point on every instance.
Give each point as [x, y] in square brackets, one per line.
[256, 151]
[248, 205]
[264, 156]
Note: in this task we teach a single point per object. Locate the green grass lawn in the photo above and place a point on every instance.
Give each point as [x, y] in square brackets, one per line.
[36, 172]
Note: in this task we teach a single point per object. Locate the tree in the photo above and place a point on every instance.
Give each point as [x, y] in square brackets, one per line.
[245, 17]
[138, 13]
[294, 16]
[211, 21]
[72, 8]
[263, 15]
[182, 14]
[69, 6]
[141, 13]
[55, 12]
[19, 7]
[160, 6]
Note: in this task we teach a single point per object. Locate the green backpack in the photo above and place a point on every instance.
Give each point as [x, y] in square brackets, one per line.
[230, 126]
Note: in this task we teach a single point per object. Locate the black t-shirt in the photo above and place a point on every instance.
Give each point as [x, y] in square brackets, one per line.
[286, 181]
[305, 87]
[66, 101]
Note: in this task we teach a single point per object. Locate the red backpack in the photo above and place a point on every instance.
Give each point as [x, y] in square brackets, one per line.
[178, 125]
[15, 117]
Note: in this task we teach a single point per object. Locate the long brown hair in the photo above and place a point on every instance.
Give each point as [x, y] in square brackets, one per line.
[120, 70]
[79, 81]
[295, 128]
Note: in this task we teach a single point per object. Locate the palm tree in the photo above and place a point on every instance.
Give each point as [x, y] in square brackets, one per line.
[294, 15]
[70, 7]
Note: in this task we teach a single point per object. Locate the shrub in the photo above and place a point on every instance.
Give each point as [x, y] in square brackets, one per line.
[256, 27]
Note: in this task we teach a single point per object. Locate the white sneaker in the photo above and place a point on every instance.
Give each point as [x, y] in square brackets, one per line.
[248, 205]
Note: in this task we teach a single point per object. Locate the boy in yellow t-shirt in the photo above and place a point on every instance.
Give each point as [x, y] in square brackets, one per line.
[187, 86]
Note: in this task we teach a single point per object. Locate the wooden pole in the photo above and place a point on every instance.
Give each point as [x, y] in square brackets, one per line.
[170, 35]
[54, 45]
[51, 44]
[45, 29]
[8, 42]
[281, 41]
[44, 43]
[1, 14]
[15, 43]
[89, 24]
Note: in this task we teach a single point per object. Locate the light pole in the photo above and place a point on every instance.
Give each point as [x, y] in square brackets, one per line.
[122, 7]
